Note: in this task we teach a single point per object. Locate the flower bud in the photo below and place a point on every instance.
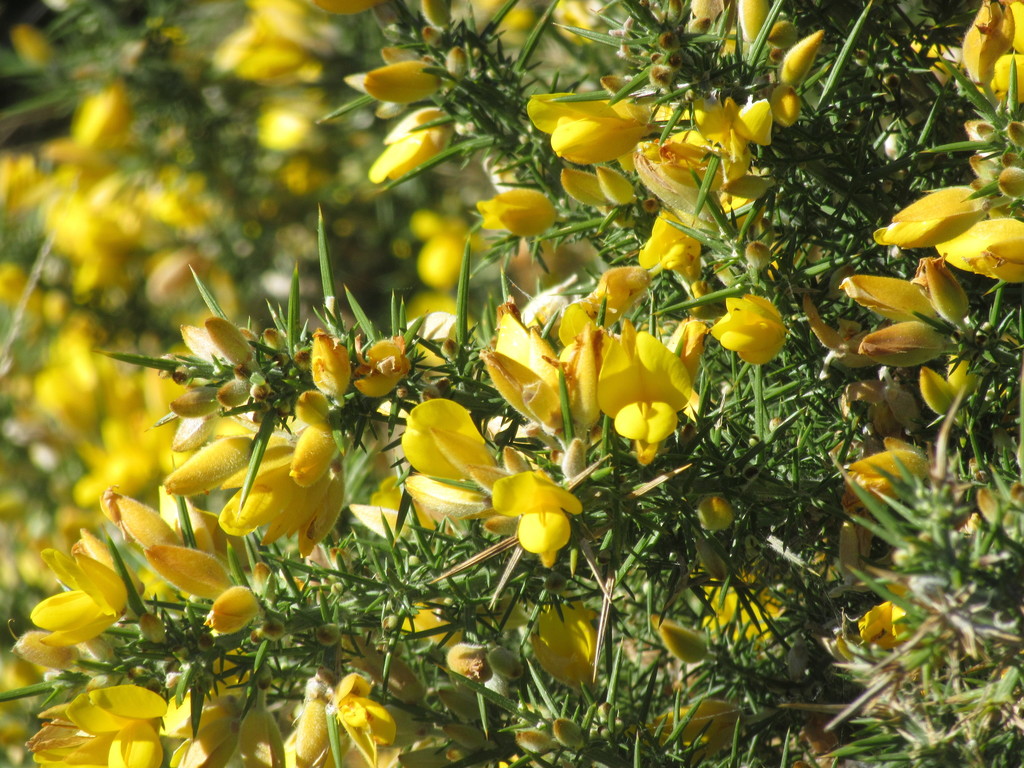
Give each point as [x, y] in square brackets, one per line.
[583, 187]
[568, 734]
[683, 643]
[943, 290]
[196, 401]
[311, 738]
[786, 104]
[904, 344]
[31, 648]
[758, 255]
[1015, 133]
[331, 367]
[460, 703]
[469, 661]
[505, 663]
[455, 62]
[467, 736]
[1011, 181]
[437, 12]
[259, 738]
[233, 393]
[229, 341]
[617, 188]
[139, 523]
[209, 467]
[233, 609]
[152, 628]
[197, 573]
[715, 513]
[783, 34]
[752, 15]
[798, 62]
[710, 559]
[31, 45]
[537, 742]
[402, 82]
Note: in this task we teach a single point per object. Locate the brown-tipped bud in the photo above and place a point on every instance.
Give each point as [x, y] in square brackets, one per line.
[501, 525]
[944, 291]
[332, 368]
[568, 734]
[437, 12]
[752, 15]
[138, 522]
[798, 62]
[786, 105]
[505, 663]
[537, 742]
[979, 130]
[195, 402]
[710, 559]
[233, 609]
[455, 62]
[189, 570]
[613, 83]
[1015, 133]
[152, 628]
[758, 255]
[661, 76]
[682, 642]
[209, 467]
[327, 634]
[229, 341]
[988, 505]
[715, 513]
[460, 703]
[783, 34]
[469, 661]
[904, 344]
[31, 648]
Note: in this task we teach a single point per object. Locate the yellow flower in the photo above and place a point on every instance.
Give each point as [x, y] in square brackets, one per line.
[587, 132]
[732, 127]
[401, 82]
[936, 218]
[642, 387]
[541, 506]
[368, 723]
[103, 119]
[523, 212]
[31, 45]
[441, 440]
[524, 369]
[799, 59]
[410, 145]
[565, 642]
[883, 625]
[994, 248]
[752, 327]
[381, 367]
[618, 290]
[330, 366]
[888, 296]
[671, 248]
[988, 37]
[116, 727]
[95, 599]
[939, 393]
[710, 727]
[875, 473]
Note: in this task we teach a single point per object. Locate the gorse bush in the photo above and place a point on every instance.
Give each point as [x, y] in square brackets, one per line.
[624, 384]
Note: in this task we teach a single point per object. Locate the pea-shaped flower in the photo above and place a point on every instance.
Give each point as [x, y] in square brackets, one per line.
[752, 327]
[565, 643]
[588, 132]
[523, 212]
[642, 387]
[936, 218]
[541, 506]
[410, 144]
[367, 722]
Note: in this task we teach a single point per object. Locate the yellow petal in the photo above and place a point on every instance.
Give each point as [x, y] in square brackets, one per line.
[137, 745]
[197, 573]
